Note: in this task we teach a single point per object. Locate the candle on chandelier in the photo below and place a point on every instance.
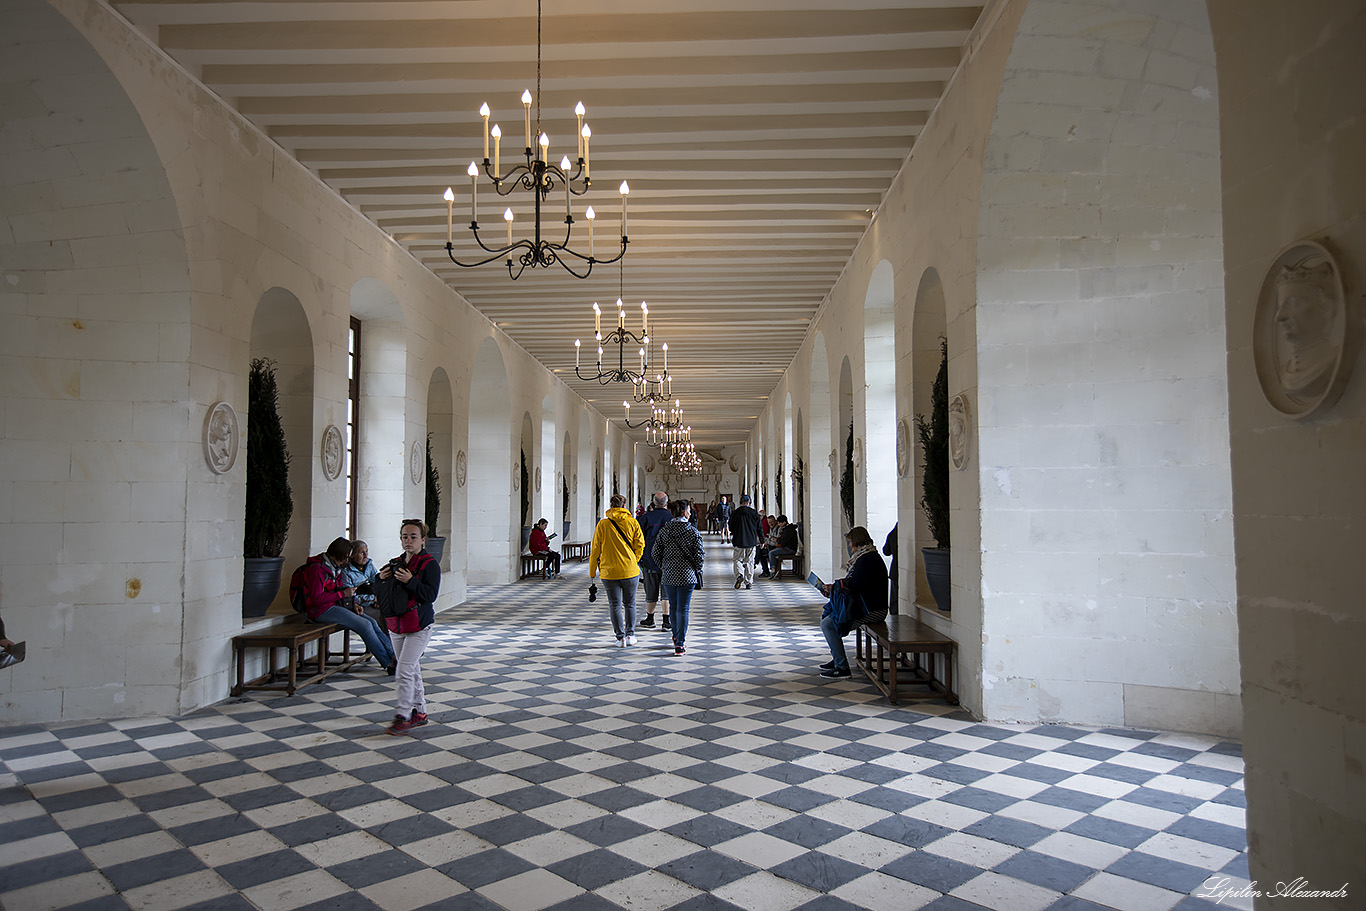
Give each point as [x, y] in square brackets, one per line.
[665, 346]
[644, 320]
[526, 110]
[627, 405]
[564, 166]
[625, 191]
[576, 355]
[599, 358]
[621, 316]
[545, 148]
[590, 215]
[587, 134]
[597, 320]
[579, 111]
[484, 112]
[507, 217]
[642, 361]
[449, 196]
[474, 191]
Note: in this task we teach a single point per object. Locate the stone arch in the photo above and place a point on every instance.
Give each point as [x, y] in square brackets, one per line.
[581, 489]
[440, 431]
[564, 497]
[928, 326]
[546, 499]
[784, 477]
[1103, 372]
[879, 402]
[526, 449]
[821, 477]
[280, 333]
[489, 541]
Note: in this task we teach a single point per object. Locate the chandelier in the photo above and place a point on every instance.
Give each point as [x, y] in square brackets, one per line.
[643, 388]
[662, 424]
[540, 177]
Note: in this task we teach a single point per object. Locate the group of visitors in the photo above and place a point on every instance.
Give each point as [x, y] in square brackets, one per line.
[340, 585]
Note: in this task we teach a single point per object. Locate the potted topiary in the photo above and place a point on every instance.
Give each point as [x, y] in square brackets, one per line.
[933, 431]
[564, 510]
[525, 478]
[269, 502]
[847, 480]
[436, 544]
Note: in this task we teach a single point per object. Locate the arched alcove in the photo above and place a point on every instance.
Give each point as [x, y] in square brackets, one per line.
[490, 538]
[280, 334]
[879, 402]
[1102, 386]
[581, 486]
[798, 474]
[783, 476]
[564, 500]
[822, 468]
[547, 495]
[525, 480]
[440, 423]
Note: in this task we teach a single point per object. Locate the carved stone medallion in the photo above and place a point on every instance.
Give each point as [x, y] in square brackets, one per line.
[222, 434]
[461, 468]
[538, 479]
[332, 452]
[1299, 331]
[858, 459]
[734, 465]
[649, 465]
[516, 477]
[960, 430]
[415, 463]
[903, 448]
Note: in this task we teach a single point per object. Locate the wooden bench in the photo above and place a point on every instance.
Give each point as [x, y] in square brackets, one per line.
[879, 648]
[798, 567]
[577, 551]
[294, 635]
[534, 565]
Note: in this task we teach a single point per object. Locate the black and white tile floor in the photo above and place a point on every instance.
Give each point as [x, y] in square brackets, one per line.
[561, 772]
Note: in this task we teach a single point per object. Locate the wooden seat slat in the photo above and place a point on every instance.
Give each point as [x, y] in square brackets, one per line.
[879, 647]
[294, 635]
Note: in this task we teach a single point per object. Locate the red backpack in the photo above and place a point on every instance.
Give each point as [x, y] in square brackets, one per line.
[298, 595]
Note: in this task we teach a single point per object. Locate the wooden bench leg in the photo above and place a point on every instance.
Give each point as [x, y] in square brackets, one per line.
[240, 651]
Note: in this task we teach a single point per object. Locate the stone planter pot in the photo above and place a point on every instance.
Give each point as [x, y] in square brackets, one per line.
[937, 575]
[260, 583]
[436, 548]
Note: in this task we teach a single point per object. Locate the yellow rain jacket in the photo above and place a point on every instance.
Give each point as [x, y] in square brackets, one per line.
[616, 554]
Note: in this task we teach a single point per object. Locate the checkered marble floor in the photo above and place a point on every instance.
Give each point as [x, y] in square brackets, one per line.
[561, 772]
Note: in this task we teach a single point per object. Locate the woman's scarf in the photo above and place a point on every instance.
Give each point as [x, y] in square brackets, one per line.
[858, 552]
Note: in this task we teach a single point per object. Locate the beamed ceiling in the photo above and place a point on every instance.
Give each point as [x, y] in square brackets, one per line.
[758, 138]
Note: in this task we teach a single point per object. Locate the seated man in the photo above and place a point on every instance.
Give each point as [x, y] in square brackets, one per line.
[327, 599]
[785, 535]
[860, 597]
[539, 543]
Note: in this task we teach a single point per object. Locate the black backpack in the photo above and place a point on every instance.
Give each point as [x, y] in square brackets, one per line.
[297, 595]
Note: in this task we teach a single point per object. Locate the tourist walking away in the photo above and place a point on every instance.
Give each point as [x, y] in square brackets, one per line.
[539, 543]
[861, 596]
[744, 538]
[618, 545]
[678, 551]
[723, 512]
[359, 573]
[328, 599]
[650, 523]
[419, 580]
[889, 548]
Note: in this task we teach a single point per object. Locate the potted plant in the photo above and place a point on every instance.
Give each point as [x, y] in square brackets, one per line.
[933, 431]
[526, 502]
[564, 510]
[269, 502]
[436, 544]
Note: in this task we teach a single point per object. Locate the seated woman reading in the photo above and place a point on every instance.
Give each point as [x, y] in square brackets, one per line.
[861, 596]
[539, 543]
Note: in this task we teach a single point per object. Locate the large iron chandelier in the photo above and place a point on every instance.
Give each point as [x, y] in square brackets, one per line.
[662, 424]
[541, 177]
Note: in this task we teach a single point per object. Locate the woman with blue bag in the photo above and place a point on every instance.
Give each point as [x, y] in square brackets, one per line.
[861, 596]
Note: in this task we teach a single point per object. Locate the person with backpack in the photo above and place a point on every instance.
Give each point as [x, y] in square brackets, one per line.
[618, 545]
[677, 549]
[650, 523]
[318, 590]
[419, 579]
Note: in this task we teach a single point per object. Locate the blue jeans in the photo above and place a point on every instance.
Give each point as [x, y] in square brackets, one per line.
[835, 641]
[376, 639]
[679, 597]
[621, 603]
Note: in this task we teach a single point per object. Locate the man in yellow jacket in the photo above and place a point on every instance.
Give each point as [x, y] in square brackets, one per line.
[617, 548]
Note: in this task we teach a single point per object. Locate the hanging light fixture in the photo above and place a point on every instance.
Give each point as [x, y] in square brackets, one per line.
[661, 423]
[541, 177]
[642, 388]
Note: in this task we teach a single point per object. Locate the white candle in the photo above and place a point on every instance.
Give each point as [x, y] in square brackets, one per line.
[484, 112]
[545, 148]
[507, 217]
[526, 110]
[449, 196]
[576, 354]
[497, 147]
[642, 362]
[579, 112]
[564, 166]
[590, 215]
[597, 320]
[665, 346]
[587, 134]
[474, 191]
[625, 192]
[599, 357]
[644, 320]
